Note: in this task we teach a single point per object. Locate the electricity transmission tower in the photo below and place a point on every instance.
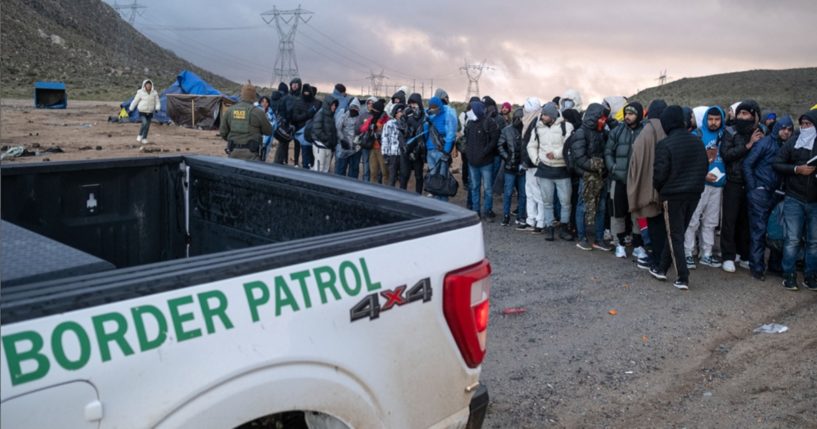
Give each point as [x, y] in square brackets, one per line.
[376, 82]
[135, 9]
[286, 24]
[662, 78]
[474, 72]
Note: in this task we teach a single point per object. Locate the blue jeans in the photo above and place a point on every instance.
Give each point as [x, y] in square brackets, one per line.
[481, 175]
[799, 218]
[581, 228]
[514, 181]
[432, 157]
[349, 166]
[365, 157]
[146, 118]
[562, 190]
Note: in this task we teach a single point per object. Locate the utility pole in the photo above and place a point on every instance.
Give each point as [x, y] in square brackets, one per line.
[286, 24]
[662, 78]
[474, 72]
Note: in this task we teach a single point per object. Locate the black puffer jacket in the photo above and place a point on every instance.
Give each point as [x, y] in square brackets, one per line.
[680, 168]
[802, 188]
[587, 142]
[323, 124]
[510, 147]
[289, 100]
[481, 137]
[305, 107]
[617, 149]
[733, 151]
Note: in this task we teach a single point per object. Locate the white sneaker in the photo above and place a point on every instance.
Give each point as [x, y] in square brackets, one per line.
[144, 141]
[621, 251]
[139, 138]
[744, 264]
[729, 266]
[608, 236]
[639, 252]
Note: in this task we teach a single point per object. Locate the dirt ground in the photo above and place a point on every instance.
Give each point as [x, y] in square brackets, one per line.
[666, 359]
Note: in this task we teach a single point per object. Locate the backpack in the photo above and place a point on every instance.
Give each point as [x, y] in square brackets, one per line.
[567, 149]
[309, 131]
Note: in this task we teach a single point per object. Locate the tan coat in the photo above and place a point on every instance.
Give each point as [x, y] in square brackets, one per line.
[641, 196]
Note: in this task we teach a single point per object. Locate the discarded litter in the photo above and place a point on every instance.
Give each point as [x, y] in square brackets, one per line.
[612, 312]
[54, 149]
[771, 328]
[628, 372]
[86, 125]
[17, 151]
[513, 310]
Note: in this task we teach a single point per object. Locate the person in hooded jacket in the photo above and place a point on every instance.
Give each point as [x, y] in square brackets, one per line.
[147, 101]
[277, 99]
[339, 92]
[642, 198]
[546, 151]
[735, 219]
[325, 134]
[284, 114]
[762, 183]
[587, 152]
[374, 126]
[440, 140]
[347, 152]
[265, 104]
[510, 149]
[303, 110]
[708, 213]
[414, 157]
[393, 144]
[573, 117]
[399, 97]
[679, 174]
[464, 117]
[481, 136]
[793, 162]
[492, 111]
[364, 156]
[617, 160]
[534, 205]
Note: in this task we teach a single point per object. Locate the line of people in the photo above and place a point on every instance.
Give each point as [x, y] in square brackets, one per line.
[653, 178]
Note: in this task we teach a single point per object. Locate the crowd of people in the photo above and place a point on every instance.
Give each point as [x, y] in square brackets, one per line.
[661, 179]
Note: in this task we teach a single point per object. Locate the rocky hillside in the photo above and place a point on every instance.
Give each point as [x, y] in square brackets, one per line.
[791, 91]
[87, 45]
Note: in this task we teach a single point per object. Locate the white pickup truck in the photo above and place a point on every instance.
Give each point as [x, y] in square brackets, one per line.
[200, 292]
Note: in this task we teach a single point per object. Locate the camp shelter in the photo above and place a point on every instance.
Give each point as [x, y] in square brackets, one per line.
[197, 111]
[50, 95]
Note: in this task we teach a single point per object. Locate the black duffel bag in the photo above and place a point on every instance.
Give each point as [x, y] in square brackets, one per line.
[439, 181]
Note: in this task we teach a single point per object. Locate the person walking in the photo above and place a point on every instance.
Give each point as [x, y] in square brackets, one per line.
[147, 102]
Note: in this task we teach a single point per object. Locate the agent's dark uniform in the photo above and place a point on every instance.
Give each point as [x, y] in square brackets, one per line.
[242, 127]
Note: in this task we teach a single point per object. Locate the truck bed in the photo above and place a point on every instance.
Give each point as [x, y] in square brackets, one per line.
[158, 224]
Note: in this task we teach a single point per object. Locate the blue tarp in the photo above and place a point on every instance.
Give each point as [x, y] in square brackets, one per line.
[186, 82]
[50, 95]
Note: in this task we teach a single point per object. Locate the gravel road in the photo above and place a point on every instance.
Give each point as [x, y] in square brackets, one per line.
[667, 358]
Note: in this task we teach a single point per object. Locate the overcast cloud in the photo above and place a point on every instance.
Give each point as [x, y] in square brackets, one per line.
[539, 48]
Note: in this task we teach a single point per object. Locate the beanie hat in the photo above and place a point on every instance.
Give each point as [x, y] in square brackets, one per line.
[248, 93]
[532, 104]
[750, 106]
[772, 116]
[379, 105]
[636, 108]
[551, 110]
[672, 118]
[507, 105]
[399, 107]
[341, 88]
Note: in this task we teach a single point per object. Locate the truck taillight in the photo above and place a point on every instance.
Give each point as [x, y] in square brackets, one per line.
[466, 308]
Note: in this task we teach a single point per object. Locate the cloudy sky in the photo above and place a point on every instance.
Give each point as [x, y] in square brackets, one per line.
[539, 48]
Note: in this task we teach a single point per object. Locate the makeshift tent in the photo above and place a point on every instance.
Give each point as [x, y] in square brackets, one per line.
[50, 95]
[186, 82]
[197, 111]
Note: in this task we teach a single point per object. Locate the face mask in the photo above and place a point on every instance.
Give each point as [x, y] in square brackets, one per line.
[806, 139]
[353, 113]
[744, 126]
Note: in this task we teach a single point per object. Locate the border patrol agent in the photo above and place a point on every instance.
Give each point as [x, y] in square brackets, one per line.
[243, 125]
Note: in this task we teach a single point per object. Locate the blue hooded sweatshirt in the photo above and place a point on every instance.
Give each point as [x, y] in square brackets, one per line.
[441, 124]
[758, 171]
[712, 139]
